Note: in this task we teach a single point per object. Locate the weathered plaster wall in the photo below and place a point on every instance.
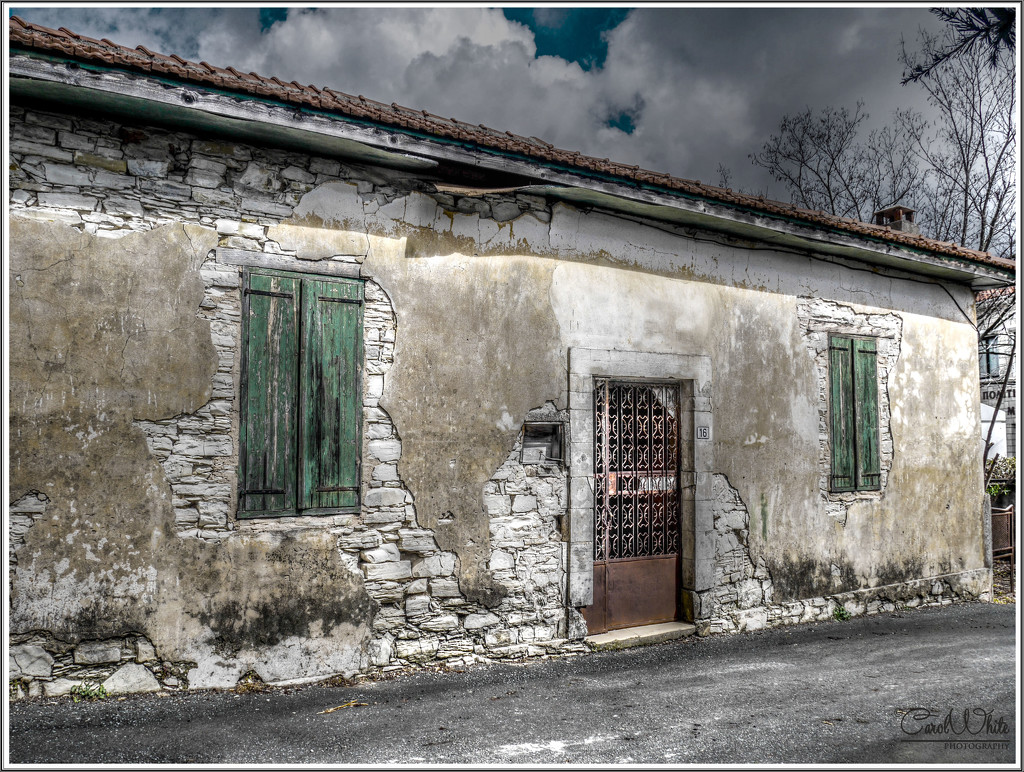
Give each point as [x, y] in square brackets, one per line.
[475, 355]
[104, 333]
[741, 307]
[390, 593]
[766, 410]
[125, 322]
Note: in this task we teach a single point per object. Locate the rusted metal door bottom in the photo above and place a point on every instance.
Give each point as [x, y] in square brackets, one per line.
[636, 504]
[629, 593]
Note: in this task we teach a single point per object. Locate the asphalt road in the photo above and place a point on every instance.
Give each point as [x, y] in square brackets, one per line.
[835, 692]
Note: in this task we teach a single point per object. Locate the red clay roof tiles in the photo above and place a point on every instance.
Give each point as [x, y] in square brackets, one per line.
[37, 38]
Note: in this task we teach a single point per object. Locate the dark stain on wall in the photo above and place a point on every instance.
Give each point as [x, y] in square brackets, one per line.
[810, 578]
[105, 332]
[268, 588]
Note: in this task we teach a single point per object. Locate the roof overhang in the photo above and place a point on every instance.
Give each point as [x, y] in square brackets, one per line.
[112, 91]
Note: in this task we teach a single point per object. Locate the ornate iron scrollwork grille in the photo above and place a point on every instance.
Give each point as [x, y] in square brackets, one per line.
[636, 470]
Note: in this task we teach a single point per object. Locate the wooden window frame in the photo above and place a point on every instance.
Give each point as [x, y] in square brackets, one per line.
[855, 457]
[303, 388]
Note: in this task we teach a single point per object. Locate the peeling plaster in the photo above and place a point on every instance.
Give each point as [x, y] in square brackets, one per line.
[108, 496]
[486, 294]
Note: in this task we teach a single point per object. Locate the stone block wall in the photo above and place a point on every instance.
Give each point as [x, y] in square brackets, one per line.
[742, 596]
[107, 180]
[42, 666]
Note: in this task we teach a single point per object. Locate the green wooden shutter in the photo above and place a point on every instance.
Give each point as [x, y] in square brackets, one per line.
[268, 430]
[842, 419]
[331, 402]
[865, 393]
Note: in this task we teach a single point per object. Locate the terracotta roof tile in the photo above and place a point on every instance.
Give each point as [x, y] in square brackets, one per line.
[25, 35]
[995, 292]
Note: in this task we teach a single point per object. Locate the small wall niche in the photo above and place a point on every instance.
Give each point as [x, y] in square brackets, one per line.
[542, 442]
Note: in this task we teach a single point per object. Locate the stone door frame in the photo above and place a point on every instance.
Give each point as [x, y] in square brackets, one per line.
[697, 544]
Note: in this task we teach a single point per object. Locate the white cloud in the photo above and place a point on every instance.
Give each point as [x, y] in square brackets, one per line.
[703, 86]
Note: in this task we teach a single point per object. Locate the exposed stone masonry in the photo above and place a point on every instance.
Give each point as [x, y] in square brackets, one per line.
[105, 178]
[741, 588]
[42, 666]
[22, 514]
[741, 599]
[110, 180]
[818, 319]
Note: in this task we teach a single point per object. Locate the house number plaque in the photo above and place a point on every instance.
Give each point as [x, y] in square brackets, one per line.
[703, 432]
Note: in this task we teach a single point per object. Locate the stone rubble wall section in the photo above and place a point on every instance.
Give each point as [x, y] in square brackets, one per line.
[741, 599]
[526, 504]
[42, 666]
[22, 515]
[940, 591]
[818, 319]
[109, 180]
[739, 584]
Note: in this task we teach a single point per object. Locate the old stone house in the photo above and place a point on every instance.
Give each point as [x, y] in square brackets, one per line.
[302, 384]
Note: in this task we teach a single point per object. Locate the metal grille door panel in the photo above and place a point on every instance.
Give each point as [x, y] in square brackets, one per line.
[636, 466]
[636, 535]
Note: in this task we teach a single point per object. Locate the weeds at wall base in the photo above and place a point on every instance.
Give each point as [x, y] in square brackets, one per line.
[88, 691]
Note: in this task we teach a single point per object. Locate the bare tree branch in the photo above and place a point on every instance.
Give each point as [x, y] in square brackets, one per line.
[987, 31]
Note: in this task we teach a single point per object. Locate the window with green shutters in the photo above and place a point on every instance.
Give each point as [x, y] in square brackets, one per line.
[853, 402]
[301, 394]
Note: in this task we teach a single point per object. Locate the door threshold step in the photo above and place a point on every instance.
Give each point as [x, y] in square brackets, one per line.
[645, 635]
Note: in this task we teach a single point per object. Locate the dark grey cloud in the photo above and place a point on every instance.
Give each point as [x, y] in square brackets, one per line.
[681, 89]
[716, 82]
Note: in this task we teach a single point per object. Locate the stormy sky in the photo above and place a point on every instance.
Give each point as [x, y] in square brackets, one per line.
[675, 89]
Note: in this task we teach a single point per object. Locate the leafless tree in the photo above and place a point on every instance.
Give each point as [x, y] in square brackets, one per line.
[995, 309]
[992, 31]
[957, 169]
[824, 166]
[968, 149]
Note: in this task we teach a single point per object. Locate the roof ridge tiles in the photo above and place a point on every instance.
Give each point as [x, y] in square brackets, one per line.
[93, 41]
[39, 29]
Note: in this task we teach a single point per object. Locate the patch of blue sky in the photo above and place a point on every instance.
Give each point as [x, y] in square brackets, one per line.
[573, 34]
[270, 15]
[623, 122]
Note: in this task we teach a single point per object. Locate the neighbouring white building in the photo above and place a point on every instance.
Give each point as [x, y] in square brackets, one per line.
[997, 360]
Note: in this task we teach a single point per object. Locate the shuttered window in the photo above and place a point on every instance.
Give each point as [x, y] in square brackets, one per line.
[853, 402]
[301, 394]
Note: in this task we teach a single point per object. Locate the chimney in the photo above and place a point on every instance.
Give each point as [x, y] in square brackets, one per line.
[899, 218]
